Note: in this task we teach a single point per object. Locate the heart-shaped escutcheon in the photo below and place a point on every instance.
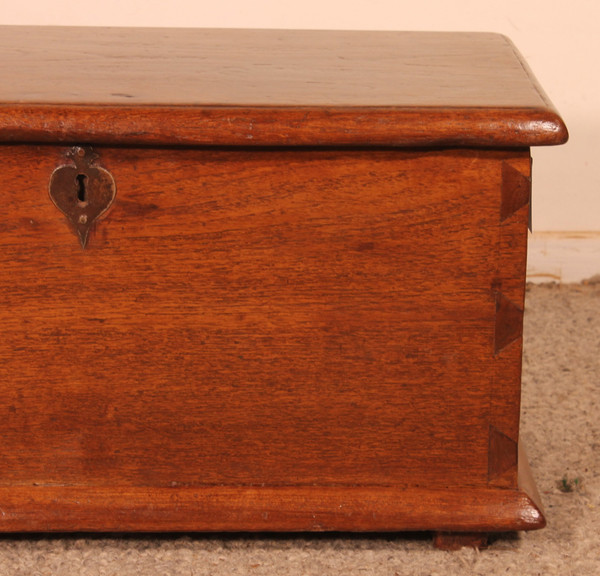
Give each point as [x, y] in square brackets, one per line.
[82, 191]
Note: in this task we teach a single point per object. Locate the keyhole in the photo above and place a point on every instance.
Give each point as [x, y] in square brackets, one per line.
[82, 194]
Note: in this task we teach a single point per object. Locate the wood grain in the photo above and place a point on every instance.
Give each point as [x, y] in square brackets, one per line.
[302, 310]
[451, 510]
[265, 509]
[299, 320]
[509, 286]
[269, 87]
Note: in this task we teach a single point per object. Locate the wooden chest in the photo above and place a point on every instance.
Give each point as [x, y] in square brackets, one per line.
[264, 280]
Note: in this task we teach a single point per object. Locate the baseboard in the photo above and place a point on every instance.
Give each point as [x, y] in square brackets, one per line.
[564, 257]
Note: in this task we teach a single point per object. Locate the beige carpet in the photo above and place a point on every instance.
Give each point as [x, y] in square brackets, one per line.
[561, 429]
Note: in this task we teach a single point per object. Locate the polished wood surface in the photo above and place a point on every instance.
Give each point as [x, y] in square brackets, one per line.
[264, 280]
[265, 509]
[300, 317]
[269, 87]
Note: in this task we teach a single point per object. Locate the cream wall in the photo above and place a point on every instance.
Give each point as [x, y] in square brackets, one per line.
[560, 41]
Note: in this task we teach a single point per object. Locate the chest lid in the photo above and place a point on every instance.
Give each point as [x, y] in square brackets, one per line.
[269, 87]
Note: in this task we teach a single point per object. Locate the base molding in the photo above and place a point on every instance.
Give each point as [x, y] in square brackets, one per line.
[271, 508]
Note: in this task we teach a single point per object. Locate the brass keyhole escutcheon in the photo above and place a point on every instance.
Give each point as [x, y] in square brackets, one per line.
[82, 191]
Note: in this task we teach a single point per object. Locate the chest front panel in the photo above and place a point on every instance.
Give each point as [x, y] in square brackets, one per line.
[271, 317]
